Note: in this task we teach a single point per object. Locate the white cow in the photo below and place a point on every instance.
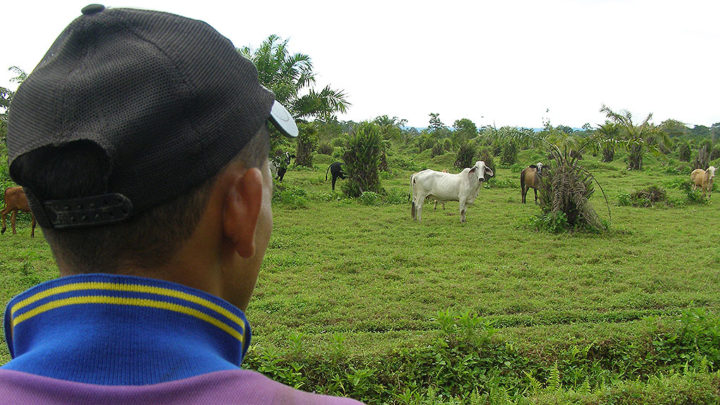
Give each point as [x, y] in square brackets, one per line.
[462, 187]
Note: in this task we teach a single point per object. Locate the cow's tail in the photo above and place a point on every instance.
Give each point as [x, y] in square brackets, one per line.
[326, 172]
[522, 180]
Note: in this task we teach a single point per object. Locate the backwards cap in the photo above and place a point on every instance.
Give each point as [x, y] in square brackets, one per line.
[168, 99]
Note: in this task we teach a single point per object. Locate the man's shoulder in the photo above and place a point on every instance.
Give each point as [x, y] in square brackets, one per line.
[227, 387]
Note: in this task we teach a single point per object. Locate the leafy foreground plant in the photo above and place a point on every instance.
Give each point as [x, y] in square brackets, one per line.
[469, 363]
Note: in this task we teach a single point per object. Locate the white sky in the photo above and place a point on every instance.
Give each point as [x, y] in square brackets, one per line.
[502, 62]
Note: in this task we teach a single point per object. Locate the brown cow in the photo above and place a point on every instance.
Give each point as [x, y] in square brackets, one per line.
[530, 177]
[15, 200]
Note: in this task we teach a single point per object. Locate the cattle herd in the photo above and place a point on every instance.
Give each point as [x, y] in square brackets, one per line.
[427, 184]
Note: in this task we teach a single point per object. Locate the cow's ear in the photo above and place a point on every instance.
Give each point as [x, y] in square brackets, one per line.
[471, 172]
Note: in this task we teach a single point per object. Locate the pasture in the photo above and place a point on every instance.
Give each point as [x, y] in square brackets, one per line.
[356, 298]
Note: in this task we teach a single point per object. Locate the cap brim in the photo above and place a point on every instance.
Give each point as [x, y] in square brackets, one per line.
[283, 121]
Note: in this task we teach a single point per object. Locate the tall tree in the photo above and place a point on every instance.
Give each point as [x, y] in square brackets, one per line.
[291, 78]
[673, 128]
[6, 96]
[391, 128]
[435, 123]
[463, 130]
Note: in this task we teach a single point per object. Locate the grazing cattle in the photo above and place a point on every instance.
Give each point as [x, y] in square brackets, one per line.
[530, 177]
[463, 187]
[703, 179]
[336, 171]
[16, 200]
[282, 162]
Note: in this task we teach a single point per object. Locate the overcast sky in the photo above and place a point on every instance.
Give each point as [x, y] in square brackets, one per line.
[502, 62]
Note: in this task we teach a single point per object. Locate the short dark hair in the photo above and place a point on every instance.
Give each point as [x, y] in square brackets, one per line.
[148, 239]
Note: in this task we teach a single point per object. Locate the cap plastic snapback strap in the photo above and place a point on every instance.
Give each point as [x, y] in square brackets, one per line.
[83, 212]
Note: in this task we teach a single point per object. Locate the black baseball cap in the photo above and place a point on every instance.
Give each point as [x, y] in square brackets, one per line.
[168, 99]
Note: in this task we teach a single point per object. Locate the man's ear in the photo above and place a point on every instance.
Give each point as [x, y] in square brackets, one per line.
[240, 212]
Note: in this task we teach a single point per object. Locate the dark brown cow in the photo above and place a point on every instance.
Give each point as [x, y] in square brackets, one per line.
[15, 200]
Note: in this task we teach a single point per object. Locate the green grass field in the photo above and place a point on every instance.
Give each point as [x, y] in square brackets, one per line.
[361, 300]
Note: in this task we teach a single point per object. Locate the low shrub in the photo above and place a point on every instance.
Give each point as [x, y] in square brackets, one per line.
[517, 168]
[396, 197]
[691, 196]
[437, 150]
[403, 163]
[495, 182]
[553, 222]
[465, 155]
[325, 149]
[370, 198]
[508, 155]
[339, 142]
[647, 197]
[290, 197]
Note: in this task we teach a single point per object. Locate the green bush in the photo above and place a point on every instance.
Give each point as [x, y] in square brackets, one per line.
[338, 142]
[447, 145]
[624, 200]
[437, 150]
[290, 197]
[396, 197]
[495, 182]
[509, 154]
[517, 168]
[465, 155]
[647, 197]
[362, 160]
[684, 152]
[307, 142]
[370, 198]
[554, 222]
[487, 157]
[325, 149]
[715, 154]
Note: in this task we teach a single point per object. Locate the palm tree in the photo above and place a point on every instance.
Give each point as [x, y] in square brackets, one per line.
[607, 134]
[636, 138]
[291, 77]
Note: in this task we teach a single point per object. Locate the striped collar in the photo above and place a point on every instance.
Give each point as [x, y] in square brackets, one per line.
[122, 330]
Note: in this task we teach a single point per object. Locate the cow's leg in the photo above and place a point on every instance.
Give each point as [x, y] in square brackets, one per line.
[463, 209]
[334, 178]
[418, 207]
[4, 213]
[535, 190]
[32, 230]
[523, 191]
[12, 220]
